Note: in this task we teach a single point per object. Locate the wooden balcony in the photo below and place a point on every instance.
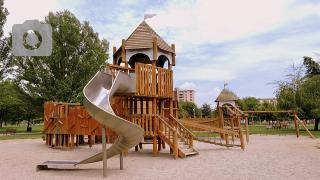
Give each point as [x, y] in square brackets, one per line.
[151, 81]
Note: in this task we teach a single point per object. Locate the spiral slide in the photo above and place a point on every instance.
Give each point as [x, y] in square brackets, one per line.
[96, 101]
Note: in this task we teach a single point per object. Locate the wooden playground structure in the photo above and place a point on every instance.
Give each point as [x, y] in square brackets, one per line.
[151, 107]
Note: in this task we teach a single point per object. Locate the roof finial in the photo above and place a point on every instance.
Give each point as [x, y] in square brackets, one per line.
[224, 86]
[146, 16]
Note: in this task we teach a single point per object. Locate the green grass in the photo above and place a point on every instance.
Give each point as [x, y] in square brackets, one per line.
[261, 129]
[34, 134]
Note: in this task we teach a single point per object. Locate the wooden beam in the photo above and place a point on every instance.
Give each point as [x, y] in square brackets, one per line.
[267, 111]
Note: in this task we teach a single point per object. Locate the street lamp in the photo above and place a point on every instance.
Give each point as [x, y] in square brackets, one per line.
[194, 113]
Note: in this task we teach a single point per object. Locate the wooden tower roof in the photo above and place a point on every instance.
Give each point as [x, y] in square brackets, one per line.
[142, 37]
[225, 95]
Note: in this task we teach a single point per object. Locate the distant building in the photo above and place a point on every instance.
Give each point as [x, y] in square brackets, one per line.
[184, 95]
[269, 100]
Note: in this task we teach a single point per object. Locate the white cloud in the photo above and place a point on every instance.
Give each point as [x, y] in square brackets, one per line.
[188, 86]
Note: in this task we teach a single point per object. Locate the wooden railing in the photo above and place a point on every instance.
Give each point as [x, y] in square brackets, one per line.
[114, 69]
[146, 122]
[153, 81]
[169, 135]
[185, 133]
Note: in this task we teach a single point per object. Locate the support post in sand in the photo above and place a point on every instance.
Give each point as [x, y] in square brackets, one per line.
[121, 161]
[104, 150]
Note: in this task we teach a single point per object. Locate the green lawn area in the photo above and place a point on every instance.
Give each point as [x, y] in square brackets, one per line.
[34, 134]
[253, 129]
[261, 129]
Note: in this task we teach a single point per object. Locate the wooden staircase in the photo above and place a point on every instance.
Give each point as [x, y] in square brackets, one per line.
[177, 141]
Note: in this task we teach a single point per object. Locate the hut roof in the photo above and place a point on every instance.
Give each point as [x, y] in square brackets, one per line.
[225, 95]
[142, 37]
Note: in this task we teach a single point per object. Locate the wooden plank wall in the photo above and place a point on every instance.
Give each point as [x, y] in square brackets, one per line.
[75, 120]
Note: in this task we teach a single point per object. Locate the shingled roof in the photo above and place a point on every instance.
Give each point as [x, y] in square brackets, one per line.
[225, 95]
[142, 37]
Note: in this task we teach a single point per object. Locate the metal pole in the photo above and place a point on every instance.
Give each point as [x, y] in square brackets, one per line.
[104, 151]
[121, 161]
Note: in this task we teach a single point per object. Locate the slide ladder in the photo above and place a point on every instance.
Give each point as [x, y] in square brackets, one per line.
[96, 101]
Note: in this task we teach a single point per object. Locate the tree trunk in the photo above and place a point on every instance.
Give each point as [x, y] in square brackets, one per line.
[0, 123]
[316, 128]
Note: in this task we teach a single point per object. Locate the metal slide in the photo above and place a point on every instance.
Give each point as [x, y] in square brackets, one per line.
[96, 101]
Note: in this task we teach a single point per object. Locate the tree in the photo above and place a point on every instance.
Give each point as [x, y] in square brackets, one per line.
[206, 109]
[312, 67]
[301, 93]
[181, 112]
[190, 108]
[288, 91]
[4, 47]
[310, 91]
[242, 105]
[9, 101]
[77, 54]
[266, 106]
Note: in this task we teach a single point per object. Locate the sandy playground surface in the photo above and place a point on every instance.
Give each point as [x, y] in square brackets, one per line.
[265, 157]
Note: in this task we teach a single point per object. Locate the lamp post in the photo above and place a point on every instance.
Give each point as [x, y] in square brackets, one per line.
[194, 113]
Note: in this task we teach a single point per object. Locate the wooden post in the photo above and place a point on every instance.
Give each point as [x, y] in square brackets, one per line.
[155, 49]
[173, 47]
[154, 111]
[247, 128]
[175, 145]
[171, 106]
[232, 127]
[295, 123]
[114, 58]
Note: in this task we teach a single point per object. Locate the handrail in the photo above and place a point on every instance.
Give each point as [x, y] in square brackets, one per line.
[113, 66]
[238, 109]
[175, 136]
[231, 111]
[181, 126]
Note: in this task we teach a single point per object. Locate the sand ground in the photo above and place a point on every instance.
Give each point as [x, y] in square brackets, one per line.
[265, 157]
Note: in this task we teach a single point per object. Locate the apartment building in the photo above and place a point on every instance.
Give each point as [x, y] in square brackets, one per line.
[184, 95]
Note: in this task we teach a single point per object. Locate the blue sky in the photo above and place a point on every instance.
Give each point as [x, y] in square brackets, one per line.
[246, 44]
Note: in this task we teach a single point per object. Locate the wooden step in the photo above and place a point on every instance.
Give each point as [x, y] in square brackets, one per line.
[187, 150]
[191, 153]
